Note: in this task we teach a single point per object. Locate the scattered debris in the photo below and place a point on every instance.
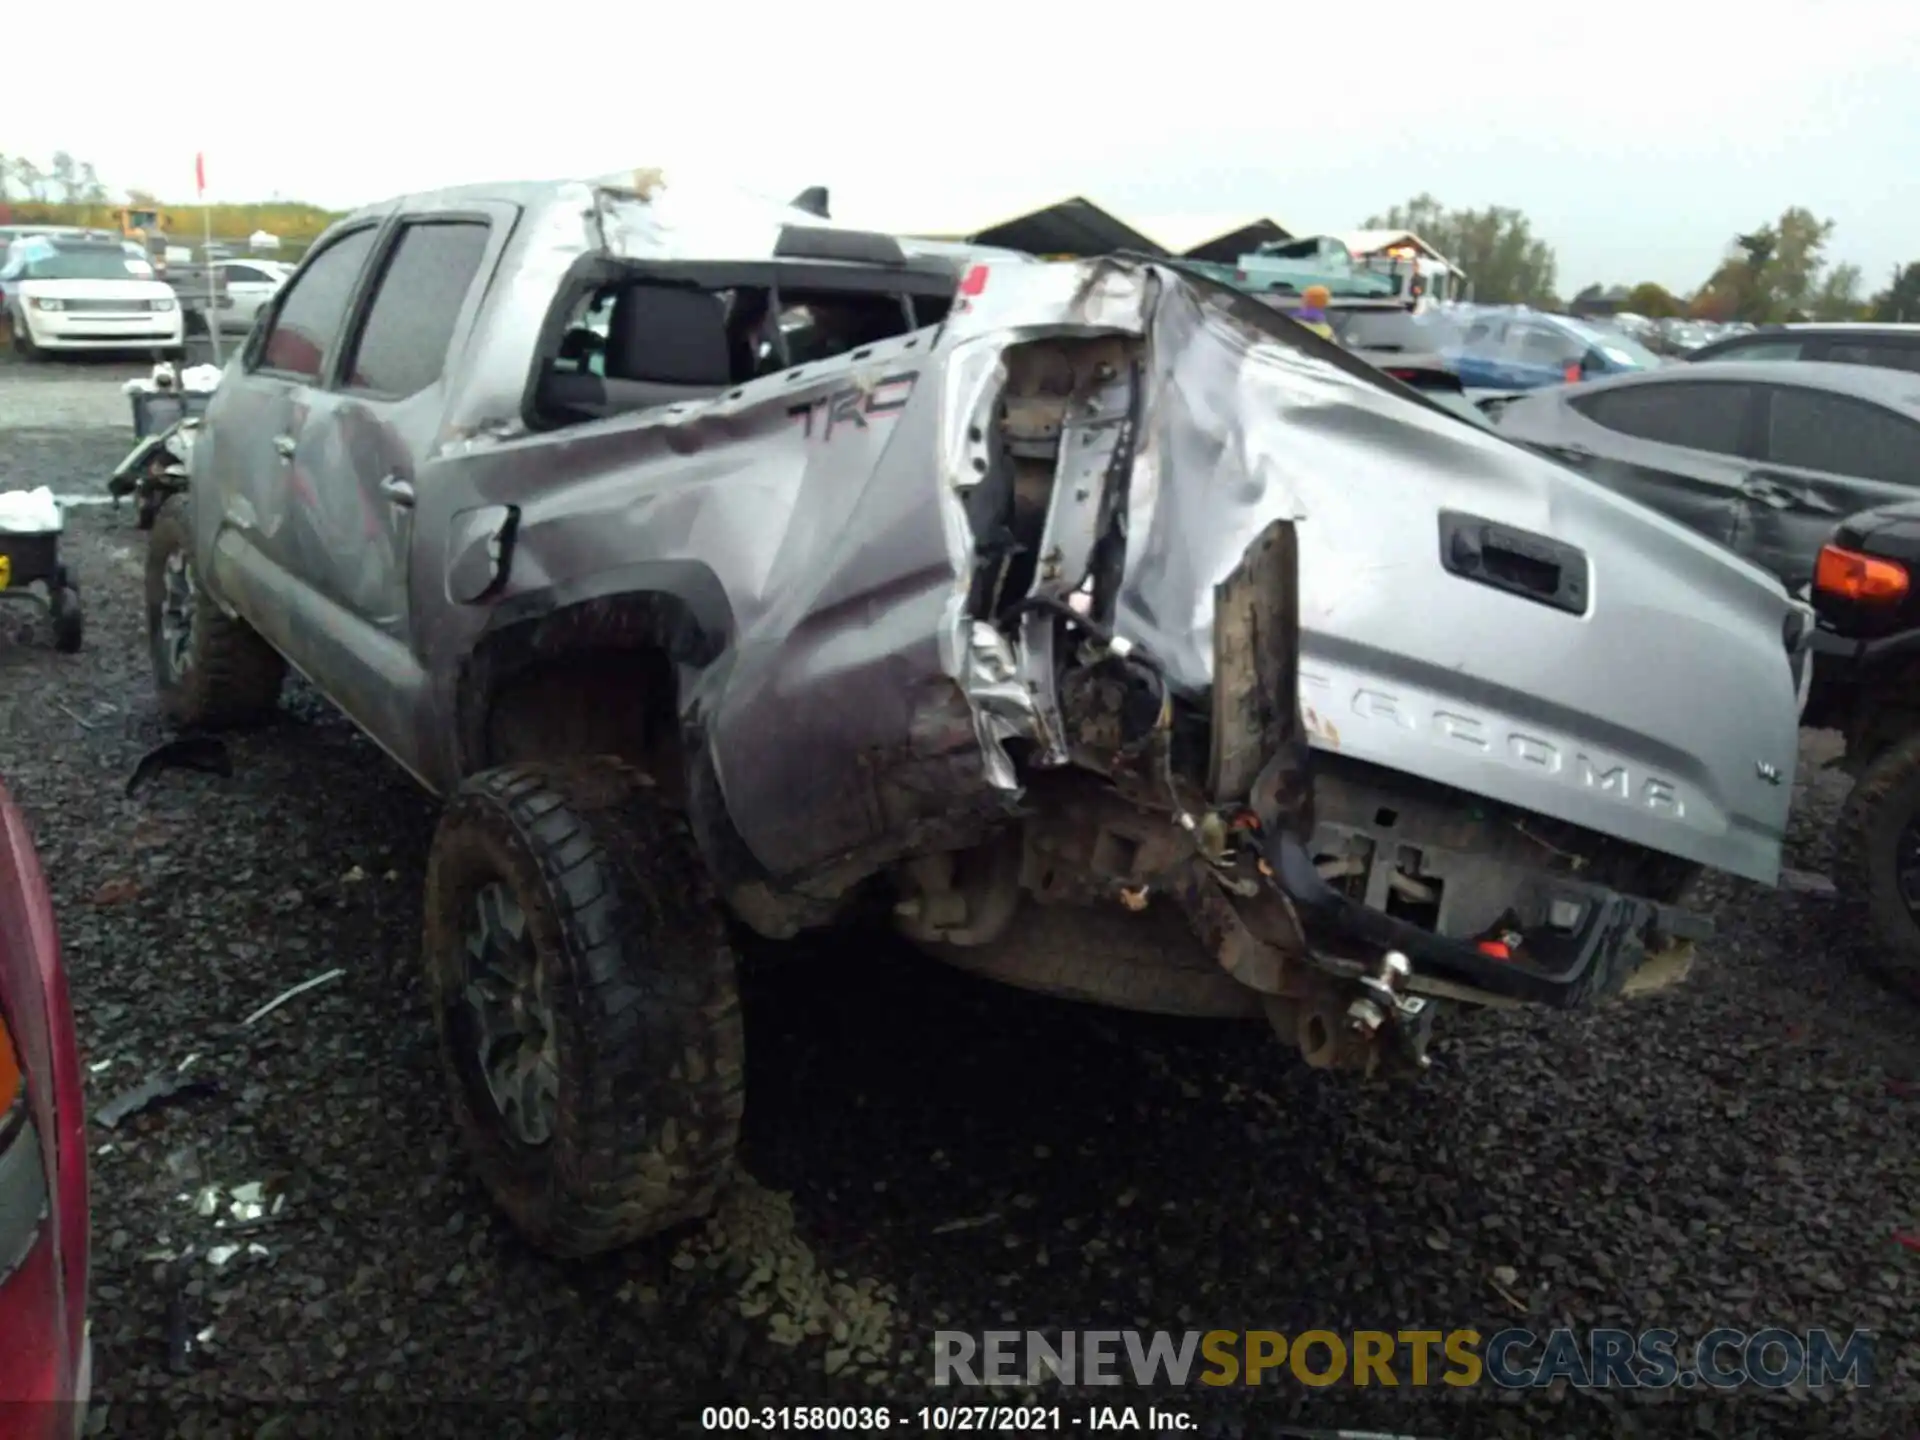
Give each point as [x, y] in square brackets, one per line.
[117, 891]
[204, 753]
[286, 995]
[1502, 1279]
[175, 1084]
[180, 1335]
[974, 1222]
[1805, 882]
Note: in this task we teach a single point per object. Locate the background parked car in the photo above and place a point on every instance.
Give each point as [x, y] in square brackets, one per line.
[1400, 340]
[1762, 457]
[1677, 337]
[45, 1355]
[1896, 347]
[1524, 350]
[249, 284]
[1869, 633]
[82, 294]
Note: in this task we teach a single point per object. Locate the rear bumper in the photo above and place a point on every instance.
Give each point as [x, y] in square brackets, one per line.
[1561, 966]
[1843, 668]
[1842, 655]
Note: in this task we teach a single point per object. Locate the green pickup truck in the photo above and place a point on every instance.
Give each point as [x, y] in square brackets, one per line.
[1290, 266]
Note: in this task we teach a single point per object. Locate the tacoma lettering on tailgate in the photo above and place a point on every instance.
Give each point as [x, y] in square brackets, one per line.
[1499, 740]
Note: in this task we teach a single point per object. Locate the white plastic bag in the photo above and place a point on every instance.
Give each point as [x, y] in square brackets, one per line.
[29, 512]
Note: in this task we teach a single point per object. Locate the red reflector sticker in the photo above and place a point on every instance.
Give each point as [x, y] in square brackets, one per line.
[1496, 948]
[975, 281]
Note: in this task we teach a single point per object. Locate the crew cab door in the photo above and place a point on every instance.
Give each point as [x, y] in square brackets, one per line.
[351, 449]
[1822, 457]
[1678, 444]
[365, 446]
[250, 504]
[1476, 359]
[1538, 355]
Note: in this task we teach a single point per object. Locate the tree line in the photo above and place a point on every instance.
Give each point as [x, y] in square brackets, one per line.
[1777, 272]
[66, 191]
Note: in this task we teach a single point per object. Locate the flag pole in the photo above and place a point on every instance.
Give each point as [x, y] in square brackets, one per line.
[206, 255]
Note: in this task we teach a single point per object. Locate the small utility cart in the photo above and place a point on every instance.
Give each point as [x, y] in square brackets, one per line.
[30, 564]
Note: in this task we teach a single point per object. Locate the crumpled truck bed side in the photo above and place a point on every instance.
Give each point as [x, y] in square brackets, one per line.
[852, 704]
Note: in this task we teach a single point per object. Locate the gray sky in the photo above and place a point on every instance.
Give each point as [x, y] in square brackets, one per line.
[1638, 136]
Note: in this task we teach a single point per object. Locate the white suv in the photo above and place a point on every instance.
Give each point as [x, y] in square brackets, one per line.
[61, 294]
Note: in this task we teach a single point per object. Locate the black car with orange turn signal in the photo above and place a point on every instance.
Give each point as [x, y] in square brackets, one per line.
[1867, 686]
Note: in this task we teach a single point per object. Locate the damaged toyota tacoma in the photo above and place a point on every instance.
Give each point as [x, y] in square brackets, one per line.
[1091, 623]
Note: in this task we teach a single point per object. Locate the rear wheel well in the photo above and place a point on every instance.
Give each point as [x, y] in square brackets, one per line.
[593, 701]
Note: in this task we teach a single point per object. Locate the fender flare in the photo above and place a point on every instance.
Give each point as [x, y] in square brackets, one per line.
[676, 606]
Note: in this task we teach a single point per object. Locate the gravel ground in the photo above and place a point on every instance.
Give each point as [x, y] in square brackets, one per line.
[1734, 1153]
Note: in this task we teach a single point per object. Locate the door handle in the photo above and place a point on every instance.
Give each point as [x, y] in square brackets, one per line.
[285, 444]
[398, 491]
[1574, 450]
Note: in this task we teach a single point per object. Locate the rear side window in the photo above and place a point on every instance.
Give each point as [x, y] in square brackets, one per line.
[1761, 350]
[315, 307]
[1887, 355]
[403, 345]
[1377, 330]
[1698, 414]
[1542, 346]
[819, 326]
[1815, 430]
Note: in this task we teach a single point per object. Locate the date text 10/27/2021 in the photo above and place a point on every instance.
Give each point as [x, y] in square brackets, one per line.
[945, 1419]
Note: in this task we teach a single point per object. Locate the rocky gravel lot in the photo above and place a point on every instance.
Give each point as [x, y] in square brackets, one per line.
[922, 1151]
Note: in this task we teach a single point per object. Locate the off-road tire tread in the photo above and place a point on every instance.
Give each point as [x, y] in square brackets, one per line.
[69, 620]
[649, 1012]
[235, 677]
[23, 345]
[1861, 849]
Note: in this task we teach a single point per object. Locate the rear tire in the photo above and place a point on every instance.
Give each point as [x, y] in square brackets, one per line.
[583, 988]
[69, 620]
[211, 671]
[23, 345]
[1884, 805]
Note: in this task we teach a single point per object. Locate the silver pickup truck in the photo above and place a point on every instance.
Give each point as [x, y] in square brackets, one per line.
[1090, 623]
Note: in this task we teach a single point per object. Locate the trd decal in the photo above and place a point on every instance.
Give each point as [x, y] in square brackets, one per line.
[853, 406]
